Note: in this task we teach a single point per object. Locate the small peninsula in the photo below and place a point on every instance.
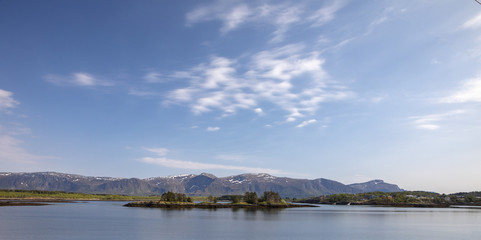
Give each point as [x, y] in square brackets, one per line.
[400, 199]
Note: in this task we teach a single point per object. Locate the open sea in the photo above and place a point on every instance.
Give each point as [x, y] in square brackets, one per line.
[110, 220]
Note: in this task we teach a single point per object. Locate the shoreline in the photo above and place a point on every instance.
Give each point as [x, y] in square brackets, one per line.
[183, 205]
[403, 205]
[60, 200]
[21, 203]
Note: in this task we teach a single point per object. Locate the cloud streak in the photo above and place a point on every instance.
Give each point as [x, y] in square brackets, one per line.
[213, 129]
[158, 151]
[281, 16]
[326, 14]
[431, 122]
[231, 16]
[162, 160]
[470, 91]
[153, 77]
[171, 163]
[473, 23]
[7, 101]
[307, 122]
[12, 154]
[81, 79]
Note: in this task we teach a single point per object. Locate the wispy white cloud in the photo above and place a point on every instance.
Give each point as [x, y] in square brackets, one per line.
[234, 18]
[307, 122]
[281, 16]
[377, 99]
[172, 163]
[285, 17]
[288, 77]
[15, 129]
[213, 129]
[378, 21]
[141, 93]
[181, 95]
[432, 121]
[473, 23]
[323, 40]
[154, 77]
[81, 79]
[290, 119]
[326, 13]
[428, 126]
[159, 151]
[368, 30]
[470, 91]
[7, 101]
[231, 15]
[285, 63]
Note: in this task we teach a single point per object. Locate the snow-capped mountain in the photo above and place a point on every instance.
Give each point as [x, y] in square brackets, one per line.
[203, 184]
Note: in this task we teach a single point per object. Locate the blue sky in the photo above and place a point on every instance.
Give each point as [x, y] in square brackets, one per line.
[345, 90]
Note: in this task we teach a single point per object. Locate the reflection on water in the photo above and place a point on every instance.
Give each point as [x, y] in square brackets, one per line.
[109, 220]
[262, 214]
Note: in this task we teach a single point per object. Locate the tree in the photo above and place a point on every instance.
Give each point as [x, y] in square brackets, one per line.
[469, 198]
[174, 197]
[251, 198]
[212, 199]
[271, 197]
[235, 199]
[168, 196]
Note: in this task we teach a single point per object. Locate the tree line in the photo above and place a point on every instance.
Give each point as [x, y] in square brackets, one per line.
[252, 198]
[407, 197]
[248, 197]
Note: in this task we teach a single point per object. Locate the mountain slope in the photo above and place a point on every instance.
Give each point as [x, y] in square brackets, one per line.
[201, 185]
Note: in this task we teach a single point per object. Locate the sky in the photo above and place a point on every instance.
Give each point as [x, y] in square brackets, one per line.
[344, 90]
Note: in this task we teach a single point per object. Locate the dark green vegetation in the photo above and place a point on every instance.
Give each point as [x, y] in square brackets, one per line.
[175, 197]
[400, 199]
[59, 195]
[250, 200]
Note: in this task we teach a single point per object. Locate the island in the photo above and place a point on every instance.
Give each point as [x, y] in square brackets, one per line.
[171, 200]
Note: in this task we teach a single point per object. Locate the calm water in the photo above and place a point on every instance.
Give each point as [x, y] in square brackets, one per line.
[109, 220]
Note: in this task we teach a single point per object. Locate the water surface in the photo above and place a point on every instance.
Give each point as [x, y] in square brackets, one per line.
[109, 220]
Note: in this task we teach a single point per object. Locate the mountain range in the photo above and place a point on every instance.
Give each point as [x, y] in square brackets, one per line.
[195, 185]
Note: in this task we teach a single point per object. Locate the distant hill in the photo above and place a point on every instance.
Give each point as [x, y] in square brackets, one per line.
[376, 186]
[196, 185]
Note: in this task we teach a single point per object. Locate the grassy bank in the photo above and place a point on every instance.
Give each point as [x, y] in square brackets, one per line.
[58, 195]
